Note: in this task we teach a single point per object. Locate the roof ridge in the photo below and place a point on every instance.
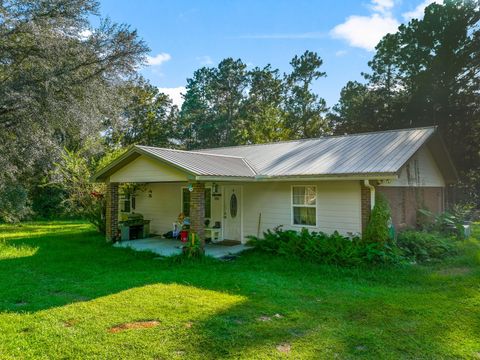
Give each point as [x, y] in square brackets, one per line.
[250, 166]
[317, 138]
[190, 152]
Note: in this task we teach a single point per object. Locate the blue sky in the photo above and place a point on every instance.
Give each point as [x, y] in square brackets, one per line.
[186, 35]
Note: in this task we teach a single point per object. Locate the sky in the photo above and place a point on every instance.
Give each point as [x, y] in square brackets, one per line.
[186, 35]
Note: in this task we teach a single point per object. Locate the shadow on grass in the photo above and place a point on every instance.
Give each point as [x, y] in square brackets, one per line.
[322, 310]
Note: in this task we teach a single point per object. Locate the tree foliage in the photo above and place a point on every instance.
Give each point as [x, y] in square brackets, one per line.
[148, 117]
[427, 73]
[230, 105]
[303, 107]
[59, 81]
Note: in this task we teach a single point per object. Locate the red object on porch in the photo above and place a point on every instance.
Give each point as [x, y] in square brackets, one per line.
[184, 236]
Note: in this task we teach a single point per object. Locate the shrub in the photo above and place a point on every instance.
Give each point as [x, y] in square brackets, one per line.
[193, 248]
[447, 223]
[422, 246]
[322, 248]
[377, 230]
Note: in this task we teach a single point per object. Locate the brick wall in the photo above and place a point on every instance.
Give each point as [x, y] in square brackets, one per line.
[405, 202]
[197, 210]
[111, 212]
[365, 205]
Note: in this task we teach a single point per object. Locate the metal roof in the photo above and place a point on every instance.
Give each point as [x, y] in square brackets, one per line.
[199, 163]
[380, 153]
[368, 153]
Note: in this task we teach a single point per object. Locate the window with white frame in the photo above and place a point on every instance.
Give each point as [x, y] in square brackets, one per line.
[304, 205]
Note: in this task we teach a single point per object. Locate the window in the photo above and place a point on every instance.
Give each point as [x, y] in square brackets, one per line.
[304, 205]
[125, 204]
[186, 202]
[233, 206]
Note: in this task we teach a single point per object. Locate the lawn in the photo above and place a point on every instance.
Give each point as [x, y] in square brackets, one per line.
[64, 293]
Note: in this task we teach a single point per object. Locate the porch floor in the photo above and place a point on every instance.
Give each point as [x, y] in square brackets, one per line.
[170, 247]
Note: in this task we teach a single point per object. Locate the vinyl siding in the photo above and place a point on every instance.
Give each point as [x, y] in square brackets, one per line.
[162, 208]
[144, 169]
[421, 170]
[338, 206]
[165, 205]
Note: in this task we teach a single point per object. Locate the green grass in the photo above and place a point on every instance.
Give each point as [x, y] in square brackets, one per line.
[62, 288]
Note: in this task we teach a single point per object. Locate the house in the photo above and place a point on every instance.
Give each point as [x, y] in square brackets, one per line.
[323, 184]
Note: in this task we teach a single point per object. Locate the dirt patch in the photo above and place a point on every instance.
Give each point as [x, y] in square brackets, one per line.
[455, 271]
[284, 348]
[134, 325]
[264, 318]
[70, 323]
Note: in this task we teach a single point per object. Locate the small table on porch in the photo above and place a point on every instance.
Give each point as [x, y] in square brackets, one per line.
[215, 234]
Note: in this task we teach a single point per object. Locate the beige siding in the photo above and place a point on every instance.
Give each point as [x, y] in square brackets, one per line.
[338, 206]
[421, 170]
[162, 208]
[144, 169]
[165, 204]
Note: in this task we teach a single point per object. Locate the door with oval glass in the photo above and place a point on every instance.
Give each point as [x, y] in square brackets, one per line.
[232, 214]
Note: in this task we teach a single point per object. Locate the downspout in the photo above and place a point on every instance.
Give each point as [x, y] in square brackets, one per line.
[372, 192]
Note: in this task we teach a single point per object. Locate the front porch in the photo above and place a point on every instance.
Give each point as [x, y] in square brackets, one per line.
[170, 247]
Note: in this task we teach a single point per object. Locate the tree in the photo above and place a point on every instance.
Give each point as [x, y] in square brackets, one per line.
[304, 108]
[59, 81]
[210, 114]
[149, 117]
[262, 111]
[427, 73]
[196, 115]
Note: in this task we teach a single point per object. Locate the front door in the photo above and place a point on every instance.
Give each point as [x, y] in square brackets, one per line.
[232, 212]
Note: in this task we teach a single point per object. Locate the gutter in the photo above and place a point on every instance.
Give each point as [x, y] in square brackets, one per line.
[372, 192]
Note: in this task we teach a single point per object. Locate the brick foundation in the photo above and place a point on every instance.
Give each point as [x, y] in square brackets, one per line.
[111, 229]
[366, 205]
[197, 211]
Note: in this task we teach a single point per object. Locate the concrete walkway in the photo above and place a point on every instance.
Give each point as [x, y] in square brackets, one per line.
[169, 247]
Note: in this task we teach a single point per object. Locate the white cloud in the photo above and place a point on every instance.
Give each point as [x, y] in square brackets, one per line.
[158, 59]
[418, 12]
[366, 31]
[175, 94]
[382, 6]
[205, 60]
[341, 53]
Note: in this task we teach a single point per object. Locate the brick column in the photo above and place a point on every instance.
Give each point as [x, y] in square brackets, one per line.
[197, 211]
[111, 229]
[366, 206]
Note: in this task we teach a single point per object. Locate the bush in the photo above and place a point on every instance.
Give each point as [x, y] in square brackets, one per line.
[193, 248]
[422, 246]
[446, 223]
[323, 248]
[377, 230]
[14, 204]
